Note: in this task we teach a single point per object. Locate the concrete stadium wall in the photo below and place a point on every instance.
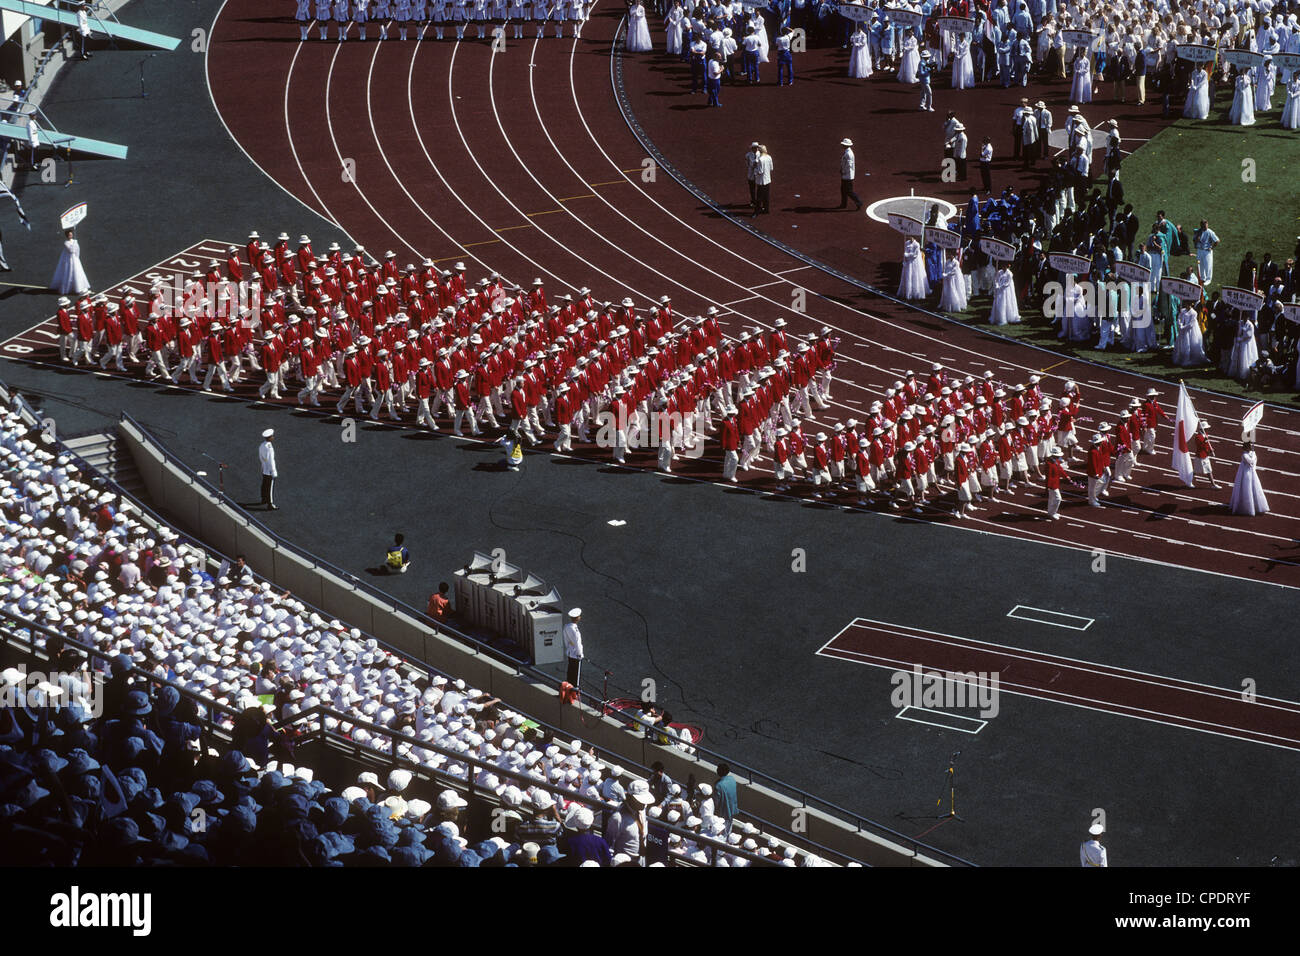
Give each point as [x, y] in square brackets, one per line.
[215, 523]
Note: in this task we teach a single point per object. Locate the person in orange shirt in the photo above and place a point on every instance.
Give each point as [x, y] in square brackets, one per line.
[439, 605]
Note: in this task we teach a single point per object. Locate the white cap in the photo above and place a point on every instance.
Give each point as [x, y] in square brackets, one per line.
[268, 433]
[575, 612]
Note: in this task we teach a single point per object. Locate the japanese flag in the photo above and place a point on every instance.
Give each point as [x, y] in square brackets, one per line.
[1185, 424]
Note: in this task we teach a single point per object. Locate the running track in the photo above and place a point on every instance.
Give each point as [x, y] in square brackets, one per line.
[1086, 684]
[523, 163]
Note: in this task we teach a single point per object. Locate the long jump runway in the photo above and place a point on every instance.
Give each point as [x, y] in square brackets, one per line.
[1077, 683]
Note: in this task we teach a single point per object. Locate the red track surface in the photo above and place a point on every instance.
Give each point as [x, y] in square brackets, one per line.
[1078, 683]
[515, 163]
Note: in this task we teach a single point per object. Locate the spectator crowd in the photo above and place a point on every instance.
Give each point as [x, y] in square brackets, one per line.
[106, 766]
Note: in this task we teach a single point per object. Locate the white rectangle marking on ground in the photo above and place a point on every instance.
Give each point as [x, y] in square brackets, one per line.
[1038, 615]
[956, 718]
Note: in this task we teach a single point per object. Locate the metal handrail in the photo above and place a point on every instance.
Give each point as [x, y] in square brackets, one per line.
[743, 772]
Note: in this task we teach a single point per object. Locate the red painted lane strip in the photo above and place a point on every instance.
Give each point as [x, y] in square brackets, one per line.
[1081, 683]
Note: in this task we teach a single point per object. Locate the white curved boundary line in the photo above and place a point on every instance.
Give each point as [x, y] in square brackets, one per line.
[207, 83]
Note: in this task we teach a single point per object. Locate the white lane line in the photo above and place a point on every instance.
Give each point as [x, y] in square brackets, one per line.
[1038, 615]
[957, 719]
[288, 132]
[207, 83]
[342, 163]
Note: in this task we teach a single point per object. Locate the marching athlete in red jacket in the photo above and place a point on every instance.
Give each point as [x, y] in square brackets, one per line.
[1204, 454]
[1098, 468]
[67, 329]
[731, 448]
[1056, 473]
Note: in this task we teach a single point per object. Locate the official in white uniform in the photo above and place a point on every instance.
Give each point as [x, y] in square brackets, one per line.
[573, 646]
[266, 455]
[83, 28]
[1091, 852]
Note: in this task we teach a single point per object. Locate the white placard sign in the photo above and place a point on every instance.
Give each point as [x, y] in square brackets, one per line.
[955, 24]
[904, 18]
[997, 250]
[906, 224]
[73, 216]
[1196, 52]
[1242, 59]
[943, 238]
[1251, 419]
[1242, 299]
[1068, 263]
[1181, 288]
[1132, 272]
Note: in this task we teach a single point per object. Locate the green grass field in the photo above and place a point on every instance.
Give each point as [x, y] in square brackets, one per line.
[1195, 170]
[1244, 180]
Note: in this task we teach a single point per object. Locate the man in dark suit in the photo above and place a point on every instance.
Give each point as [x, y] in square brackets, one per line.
[1128, 226]
[1114, 194]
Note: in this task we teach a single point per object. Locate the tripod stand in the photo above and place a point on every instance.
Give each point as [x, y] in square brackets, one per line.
[952, 788]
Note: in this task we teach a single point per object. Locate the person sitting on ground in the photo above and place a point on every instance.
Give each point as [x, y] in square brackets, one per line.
[398, 558]
[512, 446]
[1265, 375]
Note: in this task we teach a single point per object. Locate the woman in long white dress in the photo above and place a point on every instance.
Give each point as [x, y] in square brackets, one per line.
[1265, 83]
[1079, 314]
[1081, 85]
[673, 25]
[1243, 102]
[760, 26]
[1197, 105]
[963, 73]
[1142, 326]
[912, 283]
[1245, 352]
[910, 60]
[1189, 348]
[638, 30]
[1006, 310]
[1291, 111]
[1247, 493]
[953, 299]
[860, 58]
[69, 276]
